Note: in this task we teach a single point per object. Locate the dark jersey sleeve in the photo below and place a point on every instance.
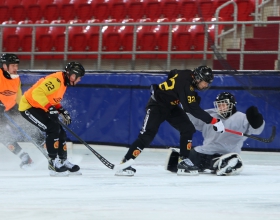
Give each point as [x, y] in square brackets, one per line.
[190, 104]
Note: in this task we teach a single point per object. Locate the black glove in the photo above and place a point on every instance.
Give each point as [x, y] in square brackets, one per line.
[65, 116]
[254, 117]
[2, 109]
[197, 98]
[53, 113]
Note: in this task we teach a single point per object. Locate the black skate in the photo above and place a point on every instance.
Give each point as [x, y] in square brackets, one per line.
[72, 168]
[26, 162]
[129, 171]
[186, 167]
[56, 168]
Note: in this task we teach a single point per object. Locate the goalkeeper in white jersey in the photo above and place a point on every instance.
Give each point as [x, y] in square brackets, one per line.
[220, 153]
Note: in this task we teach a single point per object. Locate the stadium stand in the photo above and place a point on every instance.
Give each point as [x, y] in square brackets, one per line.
[149, 38]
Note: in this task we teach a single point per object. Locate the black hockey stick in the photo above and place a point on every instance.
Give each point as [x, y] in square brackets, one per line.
[265, 140]
[101, 158]
[25, 135]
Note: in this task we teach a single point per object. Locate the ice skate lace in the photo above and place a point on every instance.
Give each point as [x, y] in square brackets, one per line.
[188, 162]
[68, 164]
[57, 163]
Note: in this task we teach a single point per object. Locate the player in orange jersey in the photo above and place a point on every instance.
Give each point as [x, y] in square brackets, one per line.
[41, 106]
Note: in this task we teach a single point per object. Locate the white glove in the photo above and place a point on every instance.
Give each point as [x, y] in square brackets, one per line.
[219, 126]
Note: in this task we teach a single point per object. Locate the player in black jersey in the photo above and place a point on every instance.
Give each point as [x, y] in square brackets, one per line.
[179, 88]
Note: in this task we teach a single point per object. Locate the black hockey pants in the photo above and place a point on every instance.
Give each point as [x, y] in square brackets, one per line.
[155, 115]
[55, 135]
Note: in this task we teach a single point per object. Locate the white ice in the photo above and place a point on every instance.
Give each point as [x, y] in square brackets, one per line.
[153, 193]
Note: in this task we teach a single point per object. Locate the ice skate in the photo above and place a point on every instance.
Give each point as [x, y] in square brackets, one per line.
[57, 169]
[26, 162]
[129, 171]
[72, 168]
[186, 167]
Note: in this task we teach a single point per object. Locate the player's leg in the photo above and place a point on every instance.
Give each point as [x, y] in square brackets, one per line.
[180, 121]
[40, 119]
[155, 115]
[228, 164]
[62, 154]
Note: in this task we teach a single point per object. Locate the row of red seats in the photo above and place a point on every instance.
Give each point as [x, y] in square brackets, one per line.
[114, 38]
[33, 10]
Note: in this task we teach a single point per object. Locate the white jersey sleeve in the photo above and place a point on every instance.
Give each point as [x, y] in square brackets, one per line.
[223, 143]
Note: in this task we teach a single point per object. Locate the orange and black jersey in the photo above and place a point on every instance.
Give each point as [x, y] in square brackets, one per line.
[177, 89]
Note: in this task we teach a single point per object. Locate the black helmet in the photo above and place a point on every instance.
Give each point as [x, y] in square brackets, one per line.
[9, 58]
[73, 68]
[225, 104]
[203, 73]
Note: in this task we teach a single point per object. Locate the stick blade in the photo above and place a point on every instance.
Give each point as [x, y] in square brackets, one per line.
[124, 165]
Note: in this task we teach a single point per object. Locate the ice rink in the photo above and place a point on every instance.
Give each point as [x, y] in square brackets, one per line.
[152, 194]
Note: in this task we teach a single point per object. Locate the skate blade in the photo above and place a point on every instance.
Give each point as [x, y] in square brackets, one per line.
[230, 164]
[124, 173]
[181, 172]
[59, 174]
[77, 173]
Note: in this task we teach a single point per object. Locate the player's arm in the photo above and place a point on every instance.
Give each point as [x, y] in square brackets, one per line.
[255, 120]
[47, 87]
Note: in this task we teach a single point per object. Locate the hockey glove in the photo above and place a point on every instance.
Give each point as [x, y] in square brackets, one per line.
[254, 118]
[65, 116]
[2, 109]
[53, 113]
[218, 125]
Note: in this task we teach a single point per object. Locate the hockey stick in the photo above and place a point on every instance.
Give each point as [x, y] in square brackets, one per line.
[101, 158]
[26, 135]
[265, 140]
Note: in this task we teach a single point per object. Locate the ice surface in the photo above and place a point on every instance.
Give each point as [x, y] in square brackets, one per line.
[153, 193]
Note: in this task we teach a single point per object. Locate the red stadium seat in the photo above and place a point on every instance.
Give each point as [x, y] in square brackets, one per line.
[4, 11]
[33, 10]
[84, 10]
[136, 9]
[11, 41]
[44, 40]
[188, 9]
[118, 9]
[17, 10]
[68, 10]
[153, 9]
[111, 40]
[206, 8]
[245, 9]
[146, 39]
[77, 40]
[126, 33]
[58, 34]
[51, 9]
[182, 39]
[25, 36]
[162, 34]
[92, 34]
[198, 37]
[170, 9]
[226, 12]
[101, 9]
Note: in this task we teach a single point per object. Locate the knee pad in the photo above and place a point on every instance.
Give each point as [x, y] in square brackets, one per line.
[228, 164]
[172, 160]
